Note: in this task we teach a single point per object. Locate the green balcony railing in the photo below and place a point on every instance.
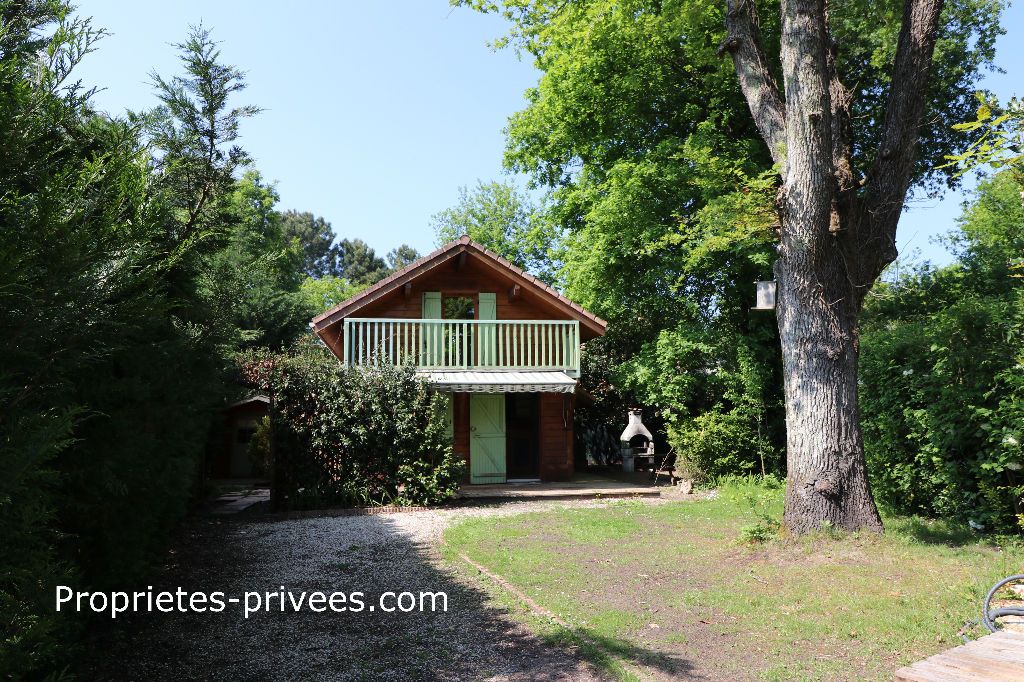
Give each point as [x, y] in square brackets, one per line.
[464, 344]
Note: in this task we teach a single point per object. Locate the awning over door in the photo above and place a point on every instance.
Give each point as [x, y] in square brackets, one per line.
[499, 382]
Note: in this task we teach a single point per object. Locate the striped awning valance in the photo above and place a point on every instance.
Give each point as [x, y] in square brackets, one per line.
[499, 382]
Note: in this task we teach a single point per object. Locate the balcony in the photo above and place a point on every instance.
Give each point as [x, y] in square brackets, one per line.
[485, 345]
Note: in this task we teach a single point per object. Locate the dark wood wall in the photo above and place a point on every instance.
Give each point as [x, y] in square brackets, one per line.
[556, 437]
[468, 280]
[555, 431]
[460, 428]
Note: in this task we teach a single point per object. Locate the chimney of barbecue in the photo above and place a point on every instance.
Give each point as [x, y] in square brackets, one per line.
[635, 427]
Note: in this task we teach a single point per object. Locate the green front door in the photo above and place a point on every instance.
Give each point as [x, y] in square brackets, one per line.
[487, 438]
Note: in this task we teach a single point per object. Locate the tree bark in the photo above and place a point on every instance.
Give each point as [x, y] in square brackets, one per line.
[837, 236]
[826, 479]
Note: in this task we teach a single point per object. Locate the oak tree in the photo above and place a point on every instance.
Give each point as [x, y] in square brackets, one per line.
[654, 167]
[838, 213]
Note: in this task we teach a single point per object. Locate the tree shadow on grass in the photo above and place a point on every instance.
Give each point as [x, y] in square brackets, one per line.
[367, 554]
[608, 653]
[933, 531]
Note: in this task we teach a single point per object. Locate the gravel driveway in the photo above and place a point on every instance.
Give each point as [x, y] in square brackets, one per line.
[371, 554]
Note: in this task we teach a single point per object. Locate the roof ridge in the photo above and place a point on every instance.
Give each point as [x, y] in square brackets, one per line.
[462, 243]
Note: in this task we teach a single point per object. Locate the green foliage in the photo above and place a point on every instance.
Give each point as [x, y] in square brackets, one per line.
[327, 291]
[506, 221]
[422, 482]
[315, 236]
[714, 444]
[108, 365]
[941, 394]
[999, 137]
[350, 260]
[133, 263]
[663, 191]
[400, 256]
[195, 132]
[253, 280]
[360, 264]
[354, 436]
[260, 450]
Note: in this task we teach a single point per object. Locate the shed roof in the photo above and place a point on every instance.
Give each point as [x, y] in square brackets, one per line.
[463, 244]
[258, 398]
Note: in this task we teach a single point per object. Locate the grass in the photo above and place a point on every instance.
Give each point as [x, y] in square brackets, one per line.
[710, 585]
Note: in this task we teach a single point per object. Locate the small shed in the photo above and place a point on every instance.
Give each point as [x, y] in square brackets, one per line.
[241, 419]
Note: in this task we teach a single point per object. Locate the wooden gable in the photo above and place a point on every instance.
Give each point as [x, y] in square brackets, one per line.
[460, 268]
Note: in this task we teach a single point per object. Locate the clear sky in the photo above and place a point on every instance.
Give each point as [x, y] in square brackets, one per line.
[375, 113]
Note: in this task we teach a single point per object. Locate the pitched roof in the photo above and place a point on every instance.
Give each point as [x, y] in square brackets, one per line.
[442, 255]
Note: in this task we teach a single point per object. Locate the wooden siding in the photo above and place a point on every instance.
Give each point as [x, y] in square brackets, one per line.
[554, 428]
[460, 424]
[469, 280]
[556, 437]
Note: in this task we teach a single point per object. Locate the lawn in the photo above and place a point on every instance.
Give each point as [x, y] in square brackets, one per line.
[705, 587]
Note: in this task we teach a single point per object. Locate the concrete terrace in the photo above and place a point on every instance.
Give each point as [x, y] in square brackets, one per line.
[582, 486]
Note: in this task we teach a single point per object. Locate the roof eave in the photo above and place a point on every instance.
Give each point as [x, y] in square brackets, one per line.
[423, 265]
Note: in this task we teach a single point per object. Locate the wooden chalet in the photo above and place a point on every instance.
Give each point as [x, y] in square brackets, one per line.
[503, 343]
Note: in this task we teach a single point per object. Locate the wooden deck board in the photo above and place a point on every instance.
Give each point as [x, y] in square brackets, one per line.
[999, 656]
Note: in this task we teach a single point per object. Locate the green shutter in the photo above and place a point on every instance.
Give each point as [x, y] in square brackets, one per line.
[432, 346]
[431, 305]
[488, 311]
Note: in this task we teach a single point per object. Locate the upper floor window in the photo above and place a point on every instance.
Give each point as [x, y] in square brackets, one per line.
[459, 308]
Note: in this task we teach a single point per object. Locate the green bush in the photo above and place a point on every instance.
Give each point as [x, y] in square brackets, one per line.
[942, 395]
[422, 482]
[717, 444]
[940, 423]
[259, 449]
[353, 436]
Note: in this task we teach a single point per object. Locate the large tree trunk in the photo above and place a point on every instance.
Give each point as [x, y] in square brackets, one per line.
[826, 479]
[838, 231]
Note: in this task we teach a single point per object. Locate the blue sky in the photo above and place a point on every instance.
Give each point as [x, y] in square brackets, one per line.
[375, 113]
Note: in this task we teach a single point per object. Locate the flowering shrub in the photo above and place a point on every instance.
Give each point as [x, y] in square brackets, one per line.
[353, 436]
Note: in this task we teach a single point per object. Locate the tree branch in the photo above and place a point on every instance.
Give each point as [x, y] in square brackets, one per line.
[756, 80]
[842, 131]
[844, 202]
[891, 174]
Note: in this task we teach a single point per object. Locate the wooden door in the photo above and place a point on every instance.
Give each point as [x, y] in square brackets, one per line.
[487, 438]
[487, 310]
[522, 435]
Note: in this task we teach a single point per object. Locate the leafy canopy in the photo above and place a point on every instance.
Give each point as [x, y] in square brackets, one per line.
[505, 220]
